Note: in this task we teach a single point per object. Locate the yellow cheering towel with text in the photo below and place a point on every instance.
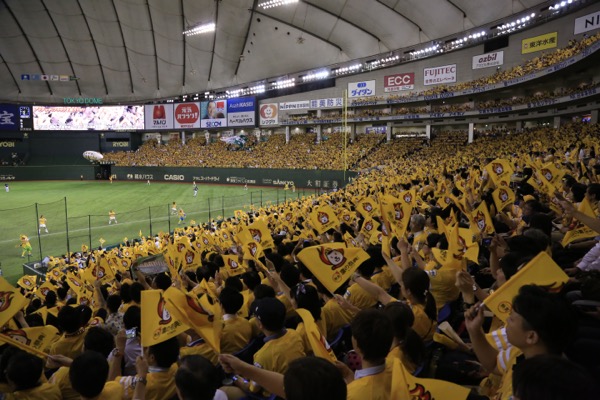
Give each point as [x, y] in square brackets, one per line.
[317, 341]
[323, 219]
[581, 231]
[35, 340]
[158, 324]
[332, 263]
[198, 314]
[541, 271]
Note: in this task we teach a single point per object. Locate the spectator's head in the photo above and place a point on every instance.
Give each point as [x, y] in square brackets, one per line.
[69, 319]
[113, 302]
[162, 281]
[135, 290]
[231, 300]
[593, 193]
[132, 318]
[196, 378]
[313, 378]
[235, 283]
[415, 286]
[577, 193]
[307, 297]
[85, 314]
[372, 335]
[99, 340]
[88, 374]
[290, 275]
[163, 354]
[417, 223]
[540, 322]
[24, 371]
[551, 377]
[50, 299]
[270, 313]
[124, 292]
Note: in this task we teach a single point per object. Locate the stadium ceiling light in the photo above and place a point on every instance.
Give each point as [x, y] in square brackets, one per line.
[276, 3]
[200, 29]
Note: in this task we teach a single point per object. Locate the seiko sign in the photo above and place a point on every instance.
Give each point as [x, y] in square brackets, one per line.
[174, 177]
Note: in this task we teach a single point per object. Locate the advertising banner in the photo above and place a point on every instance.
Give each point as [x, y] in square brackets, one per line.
[105, 118]
[187, 115]
[214, 114]
[439, 75]
[539, 43]
[159, 116]
[26, 118]
[9, 118]
[325, 103]
[587, 23]
[398, 82]
[361, 89]
[241, 112]
[488, 60]
[269, 114]
[294, 105]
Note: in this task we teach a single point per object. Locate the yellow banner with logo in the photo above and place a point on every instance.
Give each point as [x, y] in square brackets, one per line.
[539, 43]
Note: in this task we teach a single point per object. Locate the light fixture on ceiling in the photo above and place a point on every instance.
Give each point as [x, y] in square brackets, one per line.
[200, 29]
[276, 3]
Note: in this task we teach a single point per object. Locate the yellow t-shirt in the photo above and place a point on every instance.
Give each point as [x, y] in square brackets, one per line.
[359, 297]
[505, 362]
[200, 349]
[46, 391]
[384, 278]
[112, 391]
[335, 317]
[160, 386]
[372, 387]
[42, 221]
[397, 353]
[300, 330]
[236, 334]
[442, 286]
[424, 327]
[69, 346]
[61, 379]
[278, 352]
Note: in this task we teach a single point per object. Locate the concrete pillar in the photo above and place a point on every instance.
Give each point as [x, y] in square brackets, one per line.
[594, 119]
[318, 130]
[519, 126]
[556, 122]
[319, 113]
[471, 125]
[352, 132]
[428, 131]
[388, 132]
[287, 134]
[182, 137]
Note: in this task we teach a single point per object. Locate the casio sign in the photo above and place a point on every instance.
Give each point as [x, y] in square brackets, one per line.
[174, 177]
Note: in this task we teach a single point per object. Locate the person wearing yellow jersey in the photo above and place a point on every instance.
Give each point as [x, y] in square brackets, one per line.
[407, 346]
[417, 227]
[162, 366]
[306, 296]
[174, 208]
[181, 215]
[88, 374]
[24, 374]
[112, 217]
[532, 330]
[70, 343]
[25, 245]
[372, 337]
[42, 224]
[237, 332]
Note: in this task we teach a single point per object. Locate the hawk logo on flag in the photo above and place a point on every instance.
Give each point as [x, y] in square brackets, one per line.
[420, 393]
[369, 226]
[100, 274]
[497, 168]
[225, 236]
[27, 282]
[163, 313]
[75, 282]
[368, 207]
[384, 231]
[44, 291]
[83, 300]
[480, 221]
[20, 336]
[408, 198]
[333, 257]
[196, 306]
[462, 248]
[504, 307]
[256, 235]
[56, 273]
[189, 257]
[124, 263]
[288, 216]
[346, 217]
[399, 214]
[253, 249]
[232, 264]
[503, 195]
[547, 174]
[323, 217]
[205, 241]
[180, 247]
[5, 300]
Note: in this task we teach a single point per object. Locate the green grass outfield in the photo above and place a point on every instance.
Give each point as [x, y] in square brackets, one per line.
[138, 206]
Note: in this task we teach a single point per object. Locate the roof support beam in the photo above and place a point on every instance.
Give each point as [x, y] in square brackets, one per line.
[393, 9]
[95, 47]
[212, 53]
[124, 45]
[184, 41]
[11, 73]
[252, 10]
[154, 43]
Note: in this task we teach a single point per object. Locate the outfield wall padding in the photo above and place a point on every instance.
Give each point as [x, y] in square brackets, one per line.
[310, 179]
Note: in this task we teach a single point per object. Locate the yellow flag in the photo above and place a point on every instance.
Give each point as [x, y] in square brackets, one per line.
[581, 231]
[482, 220]
[332, 263]
[11, 301]
[551, 174]
[422, 388]
[317, 341]
[396, 213]
[541, 271]
[232, 265]
[369, 227]
[74, 282]
[500, 170]
[44, 289]
[38, 338]
[409, 197]
[193, 312]
[55, 274]
[460, 248]
[323, 219]
[186, 254]
[367, 207]
[251, 249]
[27, 282]
[158, 324]
[261, 234]
[503, 196]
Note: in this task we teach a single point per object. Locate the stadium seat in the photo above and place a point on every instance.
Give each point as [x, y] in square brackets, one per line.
[342, 342]
[247, 353]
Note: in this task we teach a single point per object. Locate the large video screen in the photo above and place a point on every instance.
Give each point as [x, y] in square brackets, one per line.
[104, 118]
[214, 114]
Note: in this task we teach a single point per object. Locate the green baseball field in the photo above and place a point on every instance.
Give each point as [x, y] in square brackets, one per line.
[77, 213]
